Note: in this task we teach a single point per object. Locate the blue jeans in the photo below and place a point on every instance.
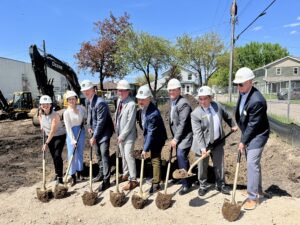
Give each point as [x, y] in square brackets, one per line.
[102, 153]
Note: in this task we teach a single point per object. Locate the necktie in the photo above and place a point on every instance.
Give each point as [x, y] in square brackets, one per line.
[120, 108]
[211, 126]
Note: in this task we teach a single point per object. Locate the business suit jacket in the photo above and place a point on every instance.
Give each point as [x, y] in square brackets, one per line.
[180, 126]
[125, 122]
[253, 121]
[201, 125]
[99, 119]
[154, 130]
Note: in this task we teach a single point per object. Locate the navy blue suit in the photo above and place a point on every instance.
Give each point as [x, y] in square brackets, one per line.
[254, 124]
[155, 136]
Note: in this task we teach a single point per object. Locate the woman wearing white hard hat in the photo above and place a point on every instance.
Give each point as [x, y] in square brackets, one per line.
[207, 127]
[74, 117]
[55, 134]
[251, 117]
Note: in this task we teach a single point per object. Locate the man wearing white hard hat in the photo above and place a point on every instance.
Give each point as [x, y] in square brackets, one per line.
[74, 116]
[181, 129]
[252, 119]
[125, 119]
[100, 126]
[154, 131]
[207, 126]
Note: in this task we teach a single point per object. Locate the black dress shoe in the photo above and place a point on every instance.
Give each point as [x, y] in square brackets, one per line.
[105, 185]
[202, 191]
[98, 178]
[184, 190]
[154, 188]
[73, 181]
[223, 189]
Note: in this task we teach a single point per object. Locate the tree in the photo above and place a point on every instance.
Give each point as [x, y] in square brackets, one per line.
[200, 54]
[143, 52]
[254, 54]
[98, 56]
[141, 80]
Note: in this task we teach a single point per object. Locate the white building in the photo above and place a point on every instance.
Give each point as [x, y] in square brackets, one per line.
[189, 81]
[18, 76]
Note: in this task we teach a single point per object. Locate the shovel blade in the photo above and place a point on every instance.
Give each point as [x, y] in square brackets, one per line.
[231, 211]
[182, 173]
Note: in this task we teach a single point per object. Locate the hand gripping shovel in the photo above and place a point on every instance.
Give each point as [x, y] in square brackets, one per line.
[230, 209]
[164, 201]
[117, 199]
[139, 199]
[43, 194]
[60, 191]
[90, 198]
[182, 173]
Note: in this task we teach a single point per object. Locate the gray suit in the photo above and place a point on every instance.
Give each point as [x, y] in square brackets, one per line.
[201, 139]
[126, 131]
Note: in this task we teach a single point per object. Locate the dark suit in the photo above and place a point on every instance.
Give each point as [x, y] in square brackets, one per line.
[100, 121]
[155, 136]
[254, 124]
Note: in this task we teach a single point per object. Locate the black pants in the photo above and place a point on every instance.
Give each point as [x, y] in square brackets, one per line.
[56, 146]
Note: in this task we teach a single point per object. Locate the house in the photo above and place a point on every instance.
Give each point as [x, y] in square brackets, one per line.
[275, 76]
[189, 81]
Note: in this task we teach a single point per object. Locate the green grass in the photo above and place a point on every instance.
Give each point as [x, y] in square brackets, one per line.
[282, 119]
[270, 96]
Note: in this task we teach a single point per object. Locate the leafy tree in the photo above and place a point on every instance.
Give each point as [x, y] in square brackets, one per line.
[144, 52]
[141, 80]
[97, 56]
[200, 54]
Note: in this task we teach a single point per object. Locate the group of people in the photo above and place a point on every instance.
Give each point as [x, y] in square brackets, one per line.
[194, 130]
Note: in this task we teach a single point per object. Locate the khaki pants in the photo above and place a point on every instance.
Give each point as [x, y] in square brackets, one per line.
[155, 161]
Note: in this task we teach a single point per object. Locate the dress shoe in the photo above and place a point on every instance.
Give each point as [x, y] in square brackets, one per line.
[250, 204]
[80, 176]
[132, 184]
[123, 178]
[202, 191]
[98, 178]
[73, 180]
[184, 190]
[59, 180]
[154, 188]
[223, 189]
[105, 185]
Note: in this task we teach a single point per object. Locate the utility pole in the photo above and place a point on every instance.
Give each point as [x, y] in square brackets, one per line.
[233, 12]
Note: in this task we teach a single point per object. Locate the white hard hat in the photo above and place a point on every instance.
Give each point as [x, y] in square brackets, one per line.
[70, 94]
[123, 85]
[45, 99]
[205, 91]
[143, 93]
[173, 84]
[86, 85]
[242, 75]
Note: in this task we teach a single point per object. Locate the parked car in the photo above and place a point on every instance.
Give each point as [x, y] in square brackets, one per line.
[283, 94]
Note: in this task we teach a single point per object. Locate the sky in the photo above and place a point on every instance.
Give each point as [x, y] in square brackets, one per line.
[65, 24]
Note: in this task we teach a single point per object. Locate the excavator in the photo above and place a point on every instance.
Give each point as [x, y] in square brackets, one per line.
[40, 63]
[21, 104]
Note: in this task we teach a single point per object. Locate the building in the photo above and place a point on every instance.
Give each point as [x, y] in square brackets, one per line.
[275, 76]
[18, 76]
[189, 81]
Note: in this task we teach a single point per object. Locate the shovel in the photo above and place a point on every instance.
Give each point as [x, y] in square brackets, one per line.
[60, 191]
[43, 194]
[230, 209]
[182, 173]
[117, 199]
[164, 201]
[90, 198]
[139, 199]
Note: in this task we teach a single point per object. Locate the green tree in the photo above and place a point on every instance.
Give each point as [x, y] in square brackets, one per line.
[141, 80]
[144, 53]
[98, 56]
[199, 54]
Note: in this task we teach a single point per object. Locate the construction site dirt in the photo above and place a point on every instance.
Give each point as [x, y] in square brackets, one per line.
[21, 174]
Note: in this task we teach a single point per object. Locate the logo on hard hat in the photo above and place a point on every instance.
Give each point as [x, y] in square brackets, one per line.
[141, 92]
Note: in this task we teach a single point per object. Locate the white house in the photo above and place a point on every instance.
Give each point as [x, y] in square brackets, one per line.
[189, 81]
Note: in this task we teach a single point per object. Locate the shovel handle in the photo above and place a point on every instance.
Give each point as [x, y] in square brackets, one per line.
[168, 171]
[236, 177]
[91, 168]
[117, 169]
[142, 176]
[44, 164]
[198, 160]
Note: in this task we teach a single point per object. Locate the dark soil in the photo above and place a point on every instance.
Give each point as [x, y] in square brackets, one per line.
[44, 195]
[180, 173]
[138, 202]
[60, 191]
[117, 199]
[231, 211]
[163, 201]
[89, 198]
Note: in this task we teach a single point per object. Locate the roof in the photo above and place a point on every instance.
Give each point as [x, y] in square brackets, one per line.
[281, 78]
[109, 85]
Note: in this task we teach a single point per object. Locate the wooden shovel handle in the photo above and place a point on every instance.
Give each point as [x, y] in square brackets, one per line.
[198, 160]
[236, 177]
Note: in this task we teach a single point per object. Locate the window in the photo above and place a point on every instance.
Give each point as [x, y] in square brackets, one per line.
[190, 76]
[296, 70]
[188, 89]
[278, 71]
